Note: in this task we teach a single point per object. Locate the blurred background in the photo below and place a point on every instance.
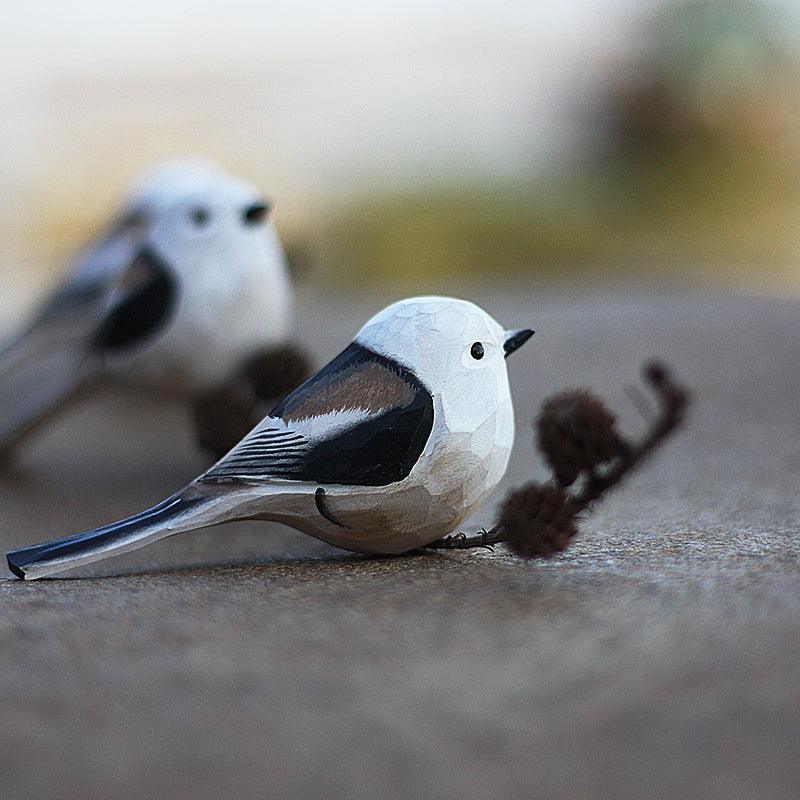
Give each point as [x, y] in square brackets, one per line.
[617, 174]
[422, 145]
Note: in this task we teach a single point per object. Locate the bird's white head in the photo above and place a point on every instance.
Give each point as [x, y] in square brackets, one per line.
[216, 238]
[159, 187]
[213, 227]
[455, 348]
[212, 235]
[197, 201]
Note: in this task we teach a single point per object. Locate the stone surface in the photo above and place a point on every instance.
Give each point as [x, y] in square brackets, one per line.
[658, 657]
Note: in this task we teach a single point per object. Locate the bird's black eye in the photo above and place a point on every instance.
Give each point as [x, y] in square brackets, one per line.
[200, 216]
[477, 351]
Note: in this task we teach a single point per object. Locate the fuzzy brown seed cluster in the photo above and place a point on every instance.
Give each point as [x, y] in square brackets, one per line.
[576, 432]
[275, 373]
[225, 415]
[538, 521]
[577, 435]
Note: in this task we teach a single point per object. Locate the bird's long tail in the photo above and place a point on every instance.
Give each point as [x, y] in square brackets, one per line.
[181, 512]
[37, 375]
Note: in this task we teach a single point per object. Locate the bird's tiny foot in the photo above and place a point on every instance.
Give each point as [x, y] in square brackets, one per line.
[464, 541]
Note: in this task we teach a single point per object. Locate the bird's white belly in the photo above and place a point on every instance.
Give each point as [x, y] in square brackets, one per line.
[221, 321]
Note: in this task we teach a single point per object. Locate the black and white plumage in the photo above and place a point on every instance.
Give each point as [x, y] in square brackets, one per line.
[389, 447]
[330, 428]
[188, 282]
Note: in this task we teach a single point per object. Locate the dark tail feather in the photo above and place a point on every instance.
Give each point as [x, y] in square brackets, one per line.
[174, 515]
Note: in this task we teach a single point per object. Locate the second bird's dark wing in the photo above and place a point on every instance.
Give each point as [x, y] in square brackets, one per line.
[139, 305]
[363, 420]
[120, 295]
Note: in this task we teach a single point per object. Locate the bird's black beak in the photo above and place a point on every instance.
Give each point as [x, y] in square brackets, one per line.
[256, 213]
[515, 340]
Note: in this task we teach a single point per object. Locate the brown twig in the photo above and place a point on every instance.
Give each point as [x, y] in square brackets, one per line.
[672, 400]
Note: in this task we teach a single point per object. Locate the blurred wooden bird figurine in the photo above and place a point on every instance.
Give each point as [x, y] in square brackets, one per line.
[188, 281]
[388, 448]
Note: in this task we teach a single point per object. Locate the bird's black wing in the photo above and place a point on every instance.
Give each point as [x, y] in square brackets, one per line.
[363, 420]
[139, 305]
[118, 295]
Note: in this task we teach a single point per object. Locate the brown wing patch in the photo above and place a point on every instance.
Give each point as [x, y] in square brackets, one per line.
[366, 387]
[138, 275]
[372, 449]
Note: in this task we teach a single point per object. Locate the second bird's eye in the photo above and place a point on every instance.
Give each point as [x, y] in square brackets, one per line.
[477, 351]
[200, 216]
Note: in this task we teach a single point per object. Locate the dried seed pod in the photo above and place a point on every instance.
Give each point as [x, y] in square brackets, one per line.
[537, 520]
[576, 432]
[274, 373]
[223, 416]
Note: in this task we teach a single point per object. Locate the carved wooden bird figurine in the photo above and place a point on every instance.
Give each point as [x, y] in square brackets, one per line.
[187, 283]
[387, 448]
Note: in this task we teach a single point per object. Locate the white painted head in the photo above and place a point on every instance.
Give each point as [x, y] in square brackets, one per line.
[158, 187]
[233, 292]
[453, 346]
[209, 218]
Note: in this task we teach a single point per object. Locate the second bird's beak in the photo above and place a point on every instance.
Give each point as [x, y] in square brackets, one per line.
[515, 340]
[256, 213]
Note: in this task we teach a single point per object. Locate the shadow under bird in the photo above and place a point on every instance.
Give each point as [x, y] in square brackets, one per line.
[188, 281]
[387, 448]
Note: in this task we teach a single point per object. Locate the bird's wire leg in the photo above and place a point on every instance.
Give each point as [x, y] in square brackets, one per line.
[466, 541]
